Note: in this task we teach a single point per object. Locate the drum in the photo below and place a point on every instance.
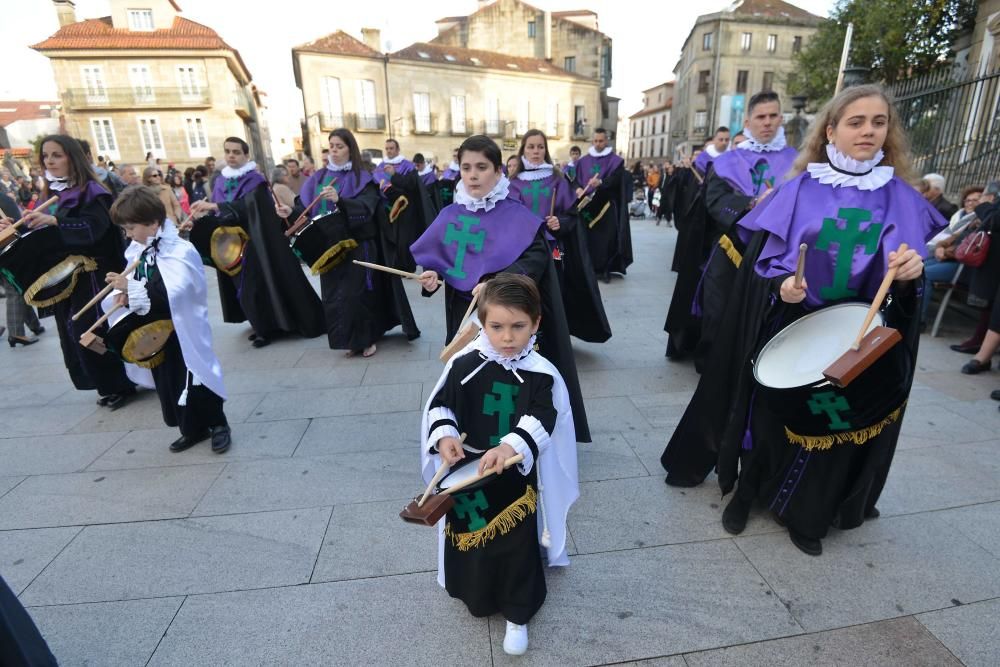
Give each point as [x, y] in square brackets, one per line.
[141, 339]
[323, 242]
[219, 245]
[789, 373]
[38, 265]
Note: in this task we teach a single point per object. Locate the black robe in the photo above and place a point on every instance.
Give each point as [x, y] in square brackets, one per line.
[609, 236]
[578, 282]
[21, 645]
[410, 223]
[442, 194]
[271, 289]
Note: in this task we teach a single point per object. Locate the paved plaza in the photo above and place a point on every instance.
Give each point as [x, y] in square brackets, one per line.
[288, 550]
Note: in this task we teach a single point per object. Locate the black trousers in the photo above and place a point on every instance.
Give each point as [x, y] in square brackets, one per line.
[203, 408]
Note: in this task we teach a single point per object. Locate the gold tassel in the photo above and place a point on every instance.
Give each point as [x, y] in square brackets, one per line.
[334, 256]
[51, 278]
[599, 216]
[861, 436]
[504, 522]
[731, 252]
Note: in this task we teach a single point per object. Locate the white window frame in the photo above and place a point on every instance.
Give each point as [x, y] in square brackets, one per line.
[100, 129]
[152, 123]
[491, 114]
[706, 41]
[367, 114]
[140, 77]
[189, 82]
[196, 123]
[772, 43]
[523, 123]
[93, 83]
[422, 112]
[458, 117]
[140, 20]
[746, 41]
[552, 119]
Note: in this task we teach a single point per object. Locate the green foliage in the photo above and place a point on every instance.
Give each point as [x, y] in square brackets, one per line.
[895, 39]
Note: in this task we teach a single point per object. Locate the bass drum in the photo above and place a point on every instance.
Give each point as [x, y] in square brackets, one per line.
[323, 242]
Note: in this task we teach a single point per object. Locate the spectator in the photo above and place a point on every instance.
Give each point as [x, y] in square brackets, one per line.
[307, 166]
[24, 191]
[199, 184]
[8, 185]
[295, 177]
[653, 177]
[152, 177]
[983, 289]
[933, 192]
[279, 185]
[210, 174]
[108, 179]
[177, 183]
[128, 175]
[941, 266]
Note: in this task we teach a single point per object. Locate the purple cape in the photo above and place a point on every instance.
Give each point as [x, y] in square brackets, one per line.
[429, 179]
[70, 198]
[450, 175]
[346, 184]
[588, 166]
[752, 173]
[849, 234]
[231, 189]
[537, 195]
[382, 178]
[463, 246]
[703, 162]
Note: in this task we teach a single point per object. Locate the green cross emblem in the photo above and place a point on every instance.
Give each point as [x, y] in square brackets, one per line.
[848, 238]
[324, 206]
[595, 170]
[469, 505]
[536, 191]
[760, 177]
[464, 238]
[501, 403]
[230, 190]
[832, 405]
[446, 195]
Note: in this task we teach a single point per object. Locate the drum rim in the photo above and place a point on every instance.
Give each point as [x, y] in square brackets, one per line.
[235, 267]
[470, 464]
[879, 320]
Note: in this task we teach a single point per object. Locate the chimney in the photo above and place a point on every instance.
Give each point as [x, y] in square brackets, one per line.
[547, 28]
[65, 11]
[372, 37]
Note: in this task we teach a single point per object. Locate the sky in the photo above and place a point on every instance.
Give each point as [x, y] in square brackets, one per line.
[647, 38]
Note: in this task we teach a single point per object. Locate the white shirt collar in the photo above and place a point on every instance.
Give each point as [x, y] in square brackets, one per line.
[393, 160]
[426, 170]
[774, 145]
[229, 172]
[571, 163]
[533, 172]
[498, 193]
[843, 171]
[713, 151]
[56, 184]
[338, 167]
[454, 166]
[593, 152]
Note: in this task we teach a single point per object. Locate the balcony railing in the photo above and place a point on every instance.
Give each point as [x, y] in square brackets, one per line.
[360, 123]
[142, 97]
[328, 121]
[427, 124]
[493, 128]
[460, 127]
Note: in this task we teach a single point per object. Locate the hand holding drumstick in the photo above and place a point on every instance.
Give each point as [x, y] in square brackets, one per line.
[793, 288]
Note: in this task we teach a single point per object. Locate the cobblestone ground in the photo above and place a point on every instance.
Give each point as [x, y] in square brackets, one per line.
[287, 550]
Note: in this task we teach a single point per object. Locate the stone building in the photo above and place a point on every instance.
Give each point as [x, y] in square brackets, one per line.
[730, 55]
[146, 79]
[430, 97]
[649, 128]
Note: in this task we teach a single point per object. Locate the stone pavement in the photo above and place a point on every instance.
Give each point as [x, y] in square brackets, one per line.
[287, 550]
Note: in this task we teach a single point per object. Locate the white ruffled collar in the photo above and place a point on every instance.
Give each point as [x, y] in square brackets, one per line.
[533, 172]
[426, 170]
[338, 167]
[844, 171]
[393, 160]
[713, 151]
[498, 193]
[593, 152]
[454, 166]
[488, 353]
[56, 184]
[229, 172]
[755, 146]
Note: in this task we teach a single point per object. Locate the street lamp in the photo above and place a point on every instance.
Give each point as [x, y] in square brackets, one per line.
[798, 125]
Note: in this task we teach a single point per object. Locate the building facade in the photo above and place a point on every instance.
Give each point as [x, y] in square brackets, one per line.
[146, 79]
[727, 57]
[431, 97]
[649, 128]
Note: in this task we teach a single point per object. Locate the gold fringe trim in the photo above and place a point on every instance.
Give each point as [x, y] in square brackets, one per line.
[599, 216]
[159, 328]
[861, 436]
[50, 279]
[731, 252]
[503, 523]
[230, 265]
[333, 256]
[398, 207]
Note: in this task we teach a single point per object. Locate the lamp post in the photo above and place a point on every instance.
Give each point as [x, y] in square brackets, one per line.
[855, 75]
[798, 124]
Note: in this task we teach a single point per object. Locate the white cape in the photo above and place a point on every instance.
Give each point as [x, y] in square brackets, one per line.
[557, 478]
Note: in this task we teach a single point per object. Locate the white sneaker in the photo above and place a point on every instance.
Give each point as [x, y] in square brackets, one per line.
[515, 642]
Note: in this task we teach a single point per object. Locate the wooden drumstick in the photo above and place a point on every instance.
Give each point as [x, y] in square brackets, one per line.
[800, 270]
[107, 290]
[276, 202]
[437, 477]
[552, 204]
[102, 319]
[389, 269]
[517, 458]
[299, 221]
[883, 289]
[472, 305]
[7, 233]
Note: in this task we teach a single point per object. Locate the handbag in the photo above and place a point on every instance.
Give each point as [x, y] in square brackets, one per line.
[973, 249]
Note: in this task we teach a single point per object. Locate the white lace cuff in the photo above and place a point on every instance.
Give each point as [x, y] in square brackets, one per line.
[138, 297]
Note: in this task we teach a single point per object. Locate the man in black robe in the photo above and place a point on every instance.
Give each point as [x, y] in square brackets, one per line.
[601, 176]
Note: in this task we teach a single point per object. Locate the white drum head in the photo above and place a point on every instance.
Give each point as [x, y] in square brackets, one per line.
[457, 475]
[799, 353]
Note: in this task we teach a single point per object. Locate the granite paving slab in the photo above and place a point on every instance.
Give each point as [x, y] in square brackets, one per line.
[288, 379]
[392, 349]
[932, 478]
[45, 420]
[8, 483]
[616, 414]
[628, 382]
[25, 553]
[144, 412]
[938, 421]
[980, 523]
[30, 394]
[339, 401]
[362, 433]
[969, 631]
[54, 453]
[608, 457]
[179, 557]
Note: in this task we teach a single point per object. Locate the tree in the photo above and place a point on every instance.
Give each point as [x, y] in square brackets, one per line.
[895, 39]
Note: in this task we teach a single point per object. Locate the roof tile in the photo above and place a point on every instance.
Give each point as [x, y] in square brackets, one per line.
[341, 44]
[101, 34]
[487, 59]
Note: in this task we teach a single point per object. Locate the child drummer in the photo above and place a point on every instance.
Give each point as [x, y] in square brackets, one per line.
[170, 278]
[508, 400]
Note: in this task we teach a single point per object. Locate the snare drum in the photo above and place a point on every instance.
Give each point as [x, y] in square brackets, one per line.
[323, 242]
[38, 265]
[141, 339]
[220, 246]
[789, 374]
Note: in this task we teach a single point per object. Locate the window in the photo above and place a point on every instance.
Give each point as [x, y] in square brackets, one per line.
[772, 43]
[367, 111]
[333, 106]
[104, 137]
[523, 108]
[606, 67]
[579, 120]
[661, 153]
[552, 119]
[706, 41]
[149, 133]
[700, 121]
[569, 63]
[492, 115]
[745, 40]
[796, 43]
[142, 83]
[531, 29]
[422, 112]
[197, 140]
[742, 80]
[140, 19]
[93, 81]
[768, 81]
[187, 81]
[458, 114]
[703, 80]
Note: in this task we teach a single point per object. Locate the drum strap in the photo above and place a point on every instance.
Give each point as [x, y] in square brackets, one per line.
[502, 523]
[858, 437]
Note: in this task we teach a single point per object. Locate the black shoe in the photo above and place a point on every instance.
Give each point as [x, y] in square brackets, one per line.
[681, 481]
[734, 517]
[778, 520]
[221, 438]
[3, 330]
[873, 513]
[114, 401]
[252, 336]
[606, 278]
[260, 341]
[963, 348]
[975, 367]
[995, 394]
[21, 340]
[38, 332]
[186, 442]
[807, 545]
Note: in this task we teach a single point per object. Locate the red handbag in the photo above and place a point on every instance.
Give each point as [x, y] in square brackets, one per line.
[973, 249]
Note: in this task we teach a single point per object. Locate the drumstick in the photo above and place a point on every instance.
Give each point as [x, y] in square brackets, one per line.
[552, 204]
[389, 269]
[800, 270]
[275, 198]
[517, 458]
[472, 304]
[890, 275]
[107, 290]
[437, 478]
[10, 230]
[103, 319]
